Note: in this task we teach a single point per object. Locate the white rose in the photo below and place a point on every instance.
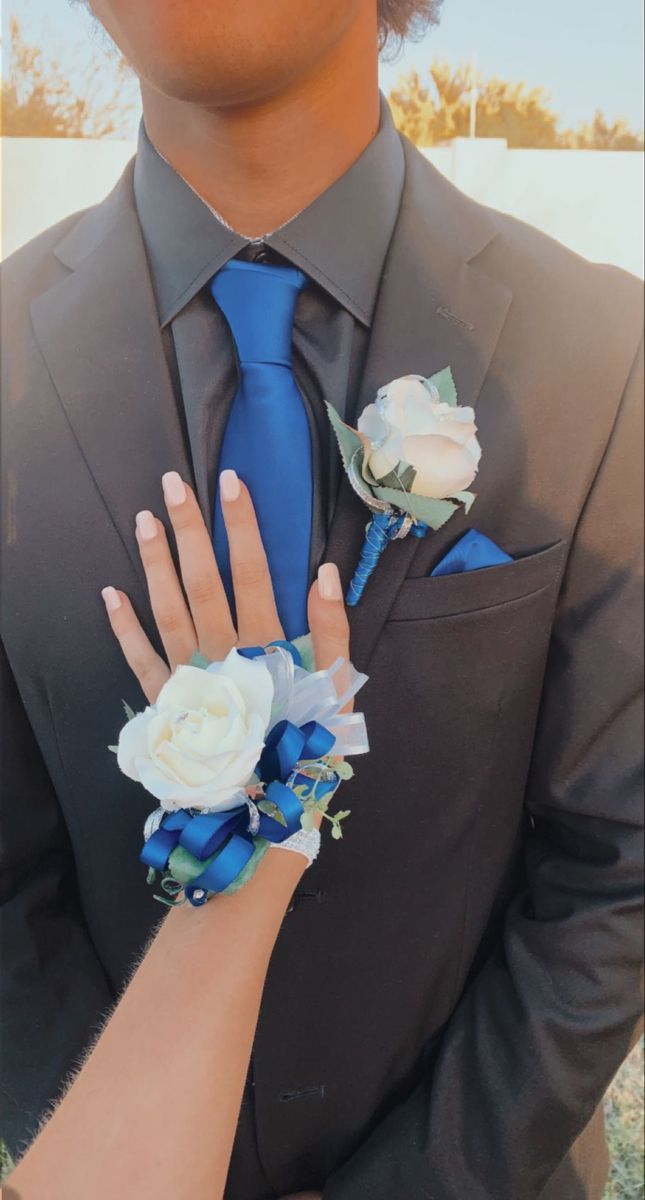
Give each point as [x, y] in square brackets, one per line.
[410, 424]
[198, 745]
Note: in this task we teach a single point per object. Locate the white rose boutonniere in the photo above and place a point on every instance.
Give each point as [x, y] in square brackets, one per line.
[414, 453]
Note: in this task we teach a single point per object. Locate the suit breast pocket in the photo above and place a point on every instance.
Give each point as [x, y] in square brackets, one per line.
[456, 678]
[432, 597]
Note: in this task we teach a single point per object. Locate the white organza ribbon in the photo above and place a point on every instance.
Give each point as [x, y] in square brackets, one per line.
[301, 696]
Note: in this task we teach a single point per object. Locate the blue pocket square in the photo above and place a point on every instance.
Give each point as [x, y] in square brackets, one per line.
[473, 551]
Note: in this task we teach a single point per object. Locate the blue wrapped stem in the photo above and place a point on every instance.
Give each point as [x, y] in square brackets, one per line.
[383, 528]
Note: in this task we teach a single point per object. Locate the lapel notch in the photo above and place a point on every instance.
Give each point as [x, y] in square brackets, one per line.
[98, 331]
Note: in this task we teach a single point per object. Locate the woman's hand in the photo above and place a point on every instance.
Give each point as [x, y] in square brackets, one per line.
[201, 619]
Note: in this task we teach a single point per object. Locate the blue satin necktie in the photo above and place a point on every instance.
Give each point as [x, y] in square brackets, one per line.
[267, 439]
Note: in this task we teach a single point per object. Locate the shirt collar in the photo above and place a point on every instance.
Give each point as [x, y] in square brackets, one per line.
[340, 240]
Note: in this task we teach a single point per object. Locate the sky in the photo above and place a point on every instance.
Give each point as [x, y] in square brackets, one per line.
[586, 53]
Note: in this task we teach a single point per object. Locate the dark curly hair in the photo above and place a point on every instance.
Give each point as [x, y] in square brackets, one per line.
[402, 19]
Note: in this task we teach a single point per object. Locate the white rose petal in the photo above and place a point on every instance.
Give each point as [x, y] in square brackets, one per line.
[410, 424]
[382, 461]
[372, 424]
[133, 744]
[442, 466]
[199, 744]
[252, 679]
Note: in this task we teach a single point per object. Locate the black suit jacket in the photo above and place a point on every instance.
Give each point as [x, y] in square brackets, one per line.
[457, 981]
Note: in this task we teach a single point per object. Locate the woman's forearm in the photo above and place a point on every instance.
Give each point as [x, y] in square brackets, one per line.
[154, 1109]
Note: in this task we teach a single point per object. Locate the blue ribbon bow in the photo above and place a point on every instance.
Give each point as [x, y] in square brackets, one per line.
[223, 840]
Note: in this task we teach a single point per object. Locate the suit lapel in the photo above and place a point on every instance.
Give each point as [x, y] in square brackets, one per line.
[99, 334]
[208, 389]
[435, 309]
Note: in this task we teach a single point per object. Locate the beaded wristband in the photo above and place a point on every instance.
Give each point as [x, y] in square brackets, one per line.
[305, 842]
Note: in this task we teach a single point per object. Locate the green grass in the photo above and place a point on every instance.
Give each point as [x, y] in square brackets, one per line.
[624, 1107]
[5, 1162]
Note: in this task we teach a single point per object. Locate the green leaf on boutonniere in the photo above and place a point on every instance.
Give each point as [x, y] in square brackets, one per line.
[307, 820]
[114, 749]
[445, 385]
[197, 660]
[348, 439]
[434, 513]
[467, 499]
[129, 712]
[401, 478]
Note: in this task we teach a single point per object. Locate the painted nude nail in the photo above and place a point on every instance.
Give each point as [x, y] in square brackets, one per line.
[229, 486]
[329, 584]
[112, 599]
[173, 489]
[146, 525]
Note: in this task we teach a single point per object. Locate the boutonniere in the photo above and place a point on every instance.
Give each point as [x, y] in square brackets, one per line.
[410, 460]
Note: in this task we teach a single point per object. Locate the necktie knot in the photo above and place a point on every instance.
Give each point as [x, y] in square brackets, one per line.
[259, 302]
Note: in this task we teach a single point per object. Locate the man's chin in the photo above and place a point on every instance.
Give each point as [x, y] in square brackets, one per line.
[214, 86]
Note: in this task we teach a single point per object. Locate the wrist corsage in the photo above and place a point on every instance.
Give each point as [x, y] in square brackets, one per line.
[240, 755]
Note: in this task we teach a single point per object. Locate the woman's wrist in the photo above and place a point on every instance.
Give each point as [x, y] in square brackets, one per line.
[274, 879]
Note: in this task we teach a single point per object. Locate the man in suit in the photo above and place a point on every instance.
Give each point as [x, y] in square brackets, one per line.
[457, 981]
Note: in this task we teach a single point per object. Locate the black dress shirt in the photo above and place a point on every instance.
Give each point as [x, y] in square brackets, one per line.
[340, 241]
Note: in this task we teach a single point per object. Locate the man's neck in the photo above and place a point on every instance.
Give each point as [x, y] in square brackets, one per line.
[258, 165]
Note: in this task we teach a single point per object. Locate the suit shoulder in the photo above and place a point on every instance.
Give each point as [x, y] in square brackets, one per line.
[39, 263]
[27, 262]
[590, 315]
[542, 258]
[551, 278]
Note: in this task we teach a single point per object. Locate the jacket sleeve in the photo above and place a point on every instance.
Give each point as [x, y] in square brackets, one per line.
[53, 990]
[537, 1036]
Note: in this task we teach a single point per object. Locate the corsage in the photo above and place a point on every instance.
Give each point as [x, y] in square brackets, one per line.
[240, 755]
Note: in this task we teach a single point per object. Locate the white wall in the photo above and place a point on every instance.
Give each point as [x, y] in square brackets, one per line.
[590, 200]
[45, 179]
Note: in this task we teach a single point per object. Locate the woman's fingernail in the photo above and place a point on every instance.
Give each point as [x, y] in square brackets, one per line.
[229, 485]
[173, 488]
[112, 599]
[329, 584]
[146, 525]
